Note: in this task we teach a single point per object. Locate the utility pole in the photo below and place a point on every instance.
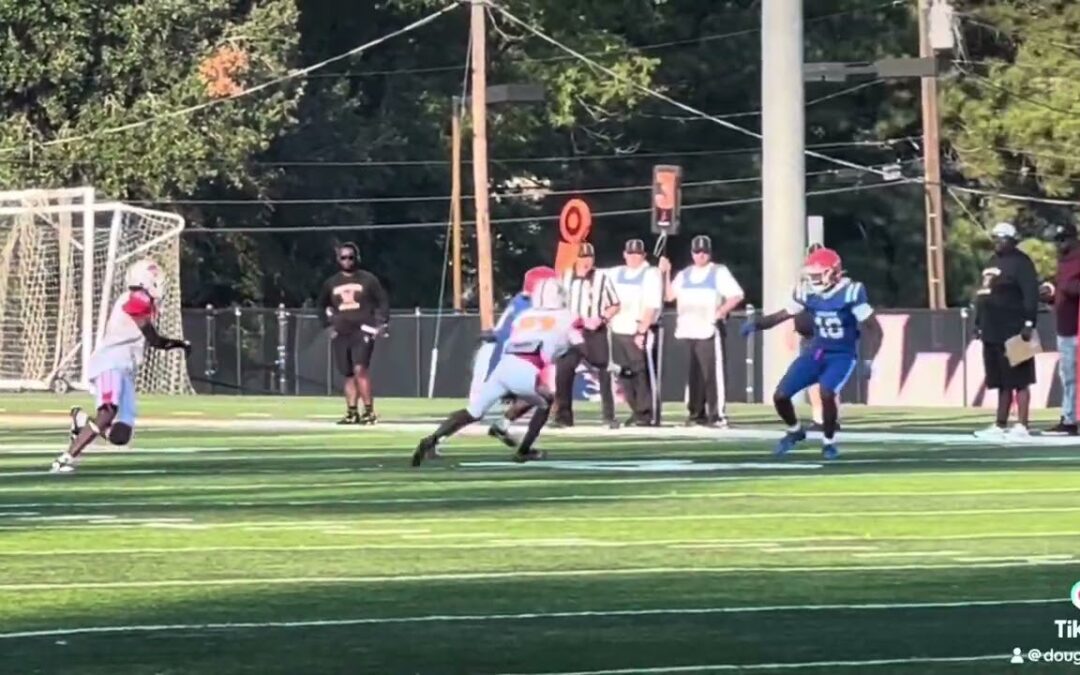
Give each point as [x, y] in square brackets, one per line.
[455, 198]
[935, 237]
[783, 227]
[480, 164]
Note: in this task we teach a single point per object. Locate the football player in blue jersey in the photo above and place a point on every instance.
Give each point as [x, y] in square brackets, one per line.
[841, 313]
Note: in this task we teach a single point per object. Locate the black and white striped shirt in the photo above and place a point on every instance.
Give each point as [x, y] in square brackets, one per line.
[589, 296]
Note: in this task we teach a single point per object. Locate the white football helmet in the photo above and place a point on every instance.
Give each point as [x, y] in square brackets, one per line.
[147, 275]
[549, 294]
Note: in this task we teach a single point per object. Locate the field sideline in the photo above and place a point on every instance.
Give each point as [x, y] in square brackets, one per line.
[250, 535]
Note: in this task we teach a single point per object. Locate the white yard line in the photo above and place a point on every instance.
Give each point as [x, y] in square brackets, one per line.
[792, 515]
[520, 574]
[719, 667]
[815, 549]
[447, 618]
[909, 554]
[650, 434]
[511, 543]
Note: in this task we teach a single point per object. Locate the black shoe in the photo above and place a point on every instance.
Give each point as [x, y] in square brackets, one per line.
[502, 436]
[695, 421]
[645, 423]
[611, 424]
[350, 418]
[561, 424]
[426, 449]
[529, 456]
[368, 418]
[1062, 429]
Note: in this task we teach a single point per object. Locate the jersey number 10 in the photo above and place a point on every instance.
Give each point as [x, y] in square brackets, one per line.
[830, 327]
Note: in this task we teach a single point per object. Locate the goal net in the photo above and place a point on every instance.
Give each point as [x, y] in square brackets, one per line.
[63, 260]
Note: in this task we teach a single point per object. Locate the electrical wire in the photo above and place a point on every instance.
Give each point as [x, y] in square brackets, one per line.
[663, 97]
[757, 112]
[359, 49]
[529, 194]
[519, 219]
[1015, 197]
[616, 52]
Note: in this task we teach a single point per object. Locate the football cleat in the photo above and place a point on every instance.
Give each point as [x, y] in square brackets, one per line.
[1019, 432]
[992, 433]
[369, 418]
[611, 424]
[350, 418]
[529, 456]
[502, 435]
[424, 450]
[829, 452]
[789, 441]
[65, 463]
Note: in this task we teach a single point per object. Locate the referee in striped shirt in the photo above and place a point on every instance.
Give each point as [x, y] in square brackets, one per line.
[590, 296]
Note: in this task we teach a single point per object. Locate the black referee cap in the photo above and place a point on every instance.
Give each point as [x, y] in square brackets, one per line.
[634, 246]
[585, 250]
[701, 244]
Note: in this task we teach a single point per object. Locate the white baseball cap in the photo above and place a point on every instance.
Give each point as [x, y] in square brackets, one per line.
[1003, 231]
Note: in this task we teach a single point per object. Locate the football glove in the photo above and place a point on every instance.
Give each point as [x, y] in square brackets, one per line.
[748, 328]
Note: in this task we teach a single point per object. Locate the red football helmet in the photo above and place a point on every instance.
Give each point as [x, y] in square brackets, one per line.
[534, 276]
[823, 269]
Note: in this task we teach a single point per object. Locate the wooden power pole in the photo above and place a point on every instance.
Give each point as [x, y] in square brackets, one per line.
[480, 164]
[935, 237]
[455, 199]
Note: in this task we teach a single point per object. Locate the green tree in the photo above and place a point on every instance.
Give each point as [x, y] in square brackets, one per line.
[1010, 111]
[71, 70]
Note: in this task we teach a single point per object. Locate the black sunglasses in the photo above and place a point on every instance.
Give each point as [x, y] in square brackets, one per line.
[347, 257]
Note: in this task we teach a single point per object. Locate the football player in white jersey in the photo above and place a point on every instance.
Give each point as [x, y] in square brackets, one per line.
[538, 336]
[112, 365]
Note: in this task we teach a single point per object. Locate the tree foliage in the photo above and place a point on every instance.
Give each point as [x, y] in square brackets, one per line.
[365, 141]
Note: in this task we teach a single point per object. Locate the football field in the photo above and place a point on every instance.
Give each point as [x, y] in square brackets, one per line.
[251, 535]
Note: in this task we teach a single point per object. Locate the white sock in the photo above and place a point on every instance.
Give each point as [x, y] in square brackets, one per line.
[828, 441]
[81, 418]
[502, 424]
[797, 427]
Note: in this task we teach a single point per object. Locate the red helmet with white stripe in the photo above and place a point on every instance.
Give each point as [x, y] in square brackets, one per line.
[534, 276]
[823, 269]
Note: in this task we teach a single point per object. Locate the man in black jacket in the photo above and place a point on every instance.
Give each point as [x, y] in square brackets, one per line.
[1006, 306]
[355, 306]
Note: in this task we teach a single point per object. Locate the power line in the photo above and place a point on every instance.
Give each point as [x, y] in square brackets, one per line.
[1005, 90]
[610, 53]
[663, 97]
[626, 156]
[1015, 197]
[517, 219]
[255, 88]
[757, 112]
[530, 194]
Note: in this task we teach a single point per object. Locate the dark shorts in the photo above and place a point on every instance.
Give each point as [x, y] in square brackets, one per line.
[352, 350]
[1001, 375]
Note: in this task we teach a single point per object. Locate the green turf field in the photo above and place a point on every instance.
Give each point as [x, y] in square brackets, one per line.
[251, 544]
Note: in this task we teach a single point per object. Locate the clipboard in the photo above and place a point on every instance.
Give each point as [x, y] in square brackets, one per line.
[1017, 350]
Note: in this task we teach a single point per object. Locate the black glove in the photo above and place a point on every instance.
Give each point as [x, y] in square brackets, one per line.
[384, 330]
[1026, 333]
[487, 336]
[179, 344]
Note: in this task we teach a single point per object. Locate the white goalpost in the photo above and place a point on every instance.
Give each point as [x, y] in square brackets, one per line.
[63, 258]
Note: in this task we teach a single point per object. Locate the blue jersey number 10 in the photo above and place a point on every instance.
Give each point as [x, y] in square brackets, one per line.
[830, 327]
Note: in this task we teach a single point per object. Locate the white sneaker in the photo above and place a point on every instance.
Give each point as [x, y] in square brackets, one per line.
[992, 433]
[65, 463]
[1019, 432]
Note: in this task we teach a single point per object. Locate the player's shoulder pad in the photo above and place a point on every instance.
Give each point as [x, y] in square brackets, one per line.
[854, 293]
